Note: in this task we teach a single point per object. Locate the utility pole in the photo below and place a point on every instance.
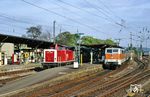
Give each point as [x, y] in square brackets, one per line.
[146, 42]
[49, 36]
[141, 37]
[118, 41]
[60, 30]
[131, 40]
[54, 23]
[122, 24]
[78, 47]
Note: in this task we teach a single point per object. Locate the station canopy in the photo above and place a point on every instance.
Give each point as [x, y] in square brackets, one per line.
[34, 43]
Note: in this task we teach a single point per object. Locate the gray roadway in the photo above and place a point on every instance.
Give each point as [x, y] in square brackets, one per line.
[32, 79]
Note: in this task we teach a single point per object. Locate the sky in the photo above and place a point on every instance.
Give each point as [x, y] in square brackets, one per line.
[102, 19]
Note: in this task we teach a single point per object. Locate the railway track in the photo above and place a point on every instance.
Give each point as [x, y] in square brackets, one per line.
[12, 75]
[125, 83]
[68, 87]
[116, 84]
[87, 84]
[102, 84]
[93, 86]
[64, 85]
[99, 86]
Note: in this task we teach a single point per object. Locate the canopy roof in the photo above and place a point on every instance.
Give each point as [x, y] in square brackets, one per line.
[34, 43]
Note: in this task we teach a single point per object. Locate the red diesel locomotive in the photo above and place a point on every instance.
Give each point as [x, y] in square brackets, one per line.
[57, 56]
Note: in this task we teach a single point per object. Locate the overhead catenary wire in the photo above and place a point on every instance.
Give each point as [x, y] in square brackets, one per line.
[108, 12]
[12, 25]
[15, 26]
[103, 9]
[127, 27]
[111, 19]
[89, 12]
[12, 30]
[14, 19]
[17, 20]
[104, 13]
[61, 27]
[85, 25]
[94, 6]
[65, 8]
[122, 25]
[100, 2]
[67, 11]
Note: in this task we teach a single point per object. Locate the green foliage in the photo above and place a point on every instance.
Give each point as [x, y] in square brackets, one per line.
[109, 41]
[66, 38]
[34, 32]
[90, 40]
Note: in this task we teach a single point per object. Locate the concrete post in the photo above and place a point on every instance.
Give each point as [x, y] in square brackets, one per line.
[5, 59]
[0, 54]
[81, 59]
[131, 56]
[91, 57]
[0, 58]
[141, 56]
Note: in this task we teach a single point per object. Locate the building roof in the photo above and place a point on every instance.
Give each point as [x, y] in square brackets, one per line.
[34, 43]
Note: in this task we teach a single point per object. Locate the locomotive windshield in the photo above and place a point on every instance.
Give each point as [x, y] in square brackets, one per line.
[112, 50]
[115, 50]
[109, 51]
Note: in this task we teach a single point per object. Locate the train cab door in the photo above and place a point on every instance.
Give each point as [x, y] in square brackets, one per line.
[49, 56]
[108, 54]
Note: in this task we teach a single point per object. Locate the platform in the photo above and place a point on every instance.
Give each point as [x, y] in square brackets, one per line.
[7, 68]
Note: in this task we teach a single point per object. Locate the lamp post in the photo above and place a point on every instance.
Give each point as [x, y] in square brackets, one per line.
[54, 23]
[146, 42]
[79, 47]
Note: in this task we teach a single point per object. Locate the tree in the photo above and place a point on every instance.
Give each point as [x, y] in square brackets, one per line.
[109, 41]
[66, 38]
[45, 36]
[88, 40]
[34, 32]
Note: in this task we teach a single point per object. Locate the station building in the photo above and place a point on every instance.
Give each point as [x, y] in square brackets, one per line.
[19, 50]
[7, 49]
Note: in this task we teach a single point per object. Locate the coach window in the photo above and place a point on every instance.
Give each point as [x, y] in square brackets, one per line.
[109, 51]
[115, 51]
[122, 51]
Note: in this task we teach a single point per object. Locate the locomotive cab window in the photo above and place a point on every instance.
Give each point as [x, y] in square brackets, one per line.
[109, 51]
[115, 51]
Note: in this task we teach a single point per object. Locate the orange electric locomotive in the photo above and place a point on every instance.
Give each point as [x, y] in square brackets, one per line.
[114, 57]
